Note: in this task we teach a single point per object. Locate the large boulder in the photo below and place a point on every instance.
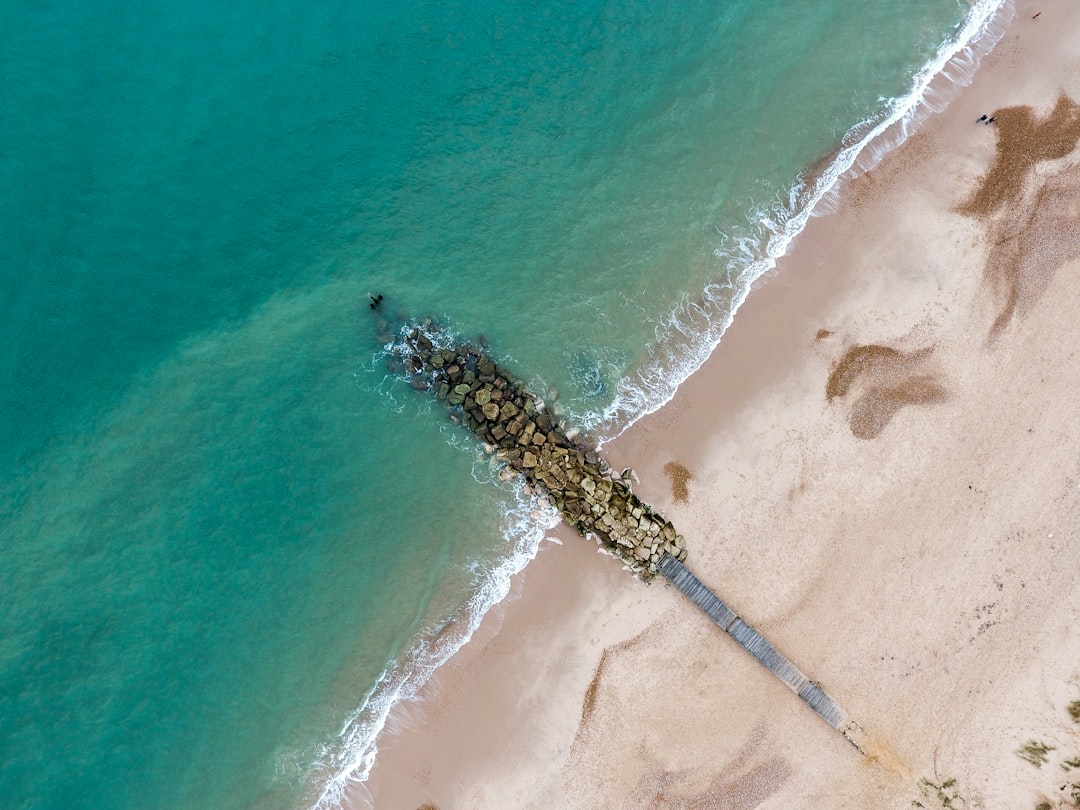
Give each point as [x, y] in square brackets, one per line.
[558, 464]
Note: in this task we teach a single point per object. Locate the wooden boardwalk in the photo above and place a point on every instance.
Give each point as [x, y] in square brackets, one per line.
[755, 644]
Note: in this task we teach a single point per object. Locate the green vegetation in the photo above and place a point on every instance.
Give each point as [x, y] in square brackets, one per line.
[945, 794]
[1068, 794]
[1074, 711]
[1035, 752]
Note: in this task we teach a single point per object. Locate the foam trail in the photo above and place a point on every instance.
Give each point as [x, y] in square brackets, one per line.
[695, 328]
[352, 755]
[681, 345]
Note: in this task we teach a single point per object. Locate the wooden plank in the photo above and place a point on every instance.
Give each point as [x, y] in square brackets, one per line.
[753, 642]
[697, 592]
[768, 655]
[824, 705]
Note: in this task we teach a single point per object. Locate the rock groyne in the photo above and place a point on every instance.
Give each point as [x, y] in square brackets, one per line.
[517, 427]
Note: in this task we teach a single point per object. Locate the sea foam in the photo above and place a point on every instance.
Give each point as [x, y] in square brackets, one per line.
[684, 341]
[348, 759]
[681, 345]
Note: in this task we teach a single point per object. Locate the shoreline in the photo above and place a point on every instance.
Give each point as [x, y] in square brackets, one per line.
[817, 188]
[723, 434]
[815, 193]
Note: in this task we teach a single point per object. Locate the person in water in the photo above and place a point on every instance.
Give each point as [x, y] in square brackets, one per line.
[374, 301]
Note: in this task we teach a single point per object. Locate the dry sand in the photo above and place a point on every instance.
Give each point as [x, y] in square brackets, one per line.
[879, 468]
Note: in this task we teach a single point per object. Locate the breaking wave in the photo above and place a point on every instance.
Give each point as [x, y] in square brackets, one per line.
[689, 335]
[681, 344]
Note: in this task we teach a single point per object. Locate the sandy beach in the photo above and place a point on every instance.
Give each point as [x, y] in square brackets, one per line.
[882, 475]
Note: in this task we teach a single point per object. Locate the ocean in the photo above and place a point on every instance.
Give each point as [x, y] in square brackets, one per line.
[229, 539]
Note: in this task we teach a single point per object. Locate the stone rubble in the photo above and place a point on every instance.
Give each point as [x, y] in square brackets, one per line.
[517, 427]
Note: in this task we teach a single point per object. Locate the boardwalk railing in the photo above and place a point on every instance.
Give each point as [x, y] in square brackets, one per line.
[755, 644]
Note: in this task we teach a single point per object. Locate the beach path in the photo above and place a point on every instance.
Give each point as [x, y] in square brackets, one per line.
[757, 645]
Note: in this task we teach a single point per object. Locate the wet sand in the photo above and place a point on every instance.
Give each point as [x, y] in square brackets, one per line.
[878, 468]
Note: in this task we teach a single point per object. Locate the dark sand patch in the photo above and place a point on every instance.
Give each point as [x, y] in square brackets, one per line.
[740, 785]
[870, 362]
[588, 705]
[1022, 143]
[888, 379]
[873, 411]
[745, 792]
[592, 691]
[680, 478]
[1038, 235]
[1034, 228]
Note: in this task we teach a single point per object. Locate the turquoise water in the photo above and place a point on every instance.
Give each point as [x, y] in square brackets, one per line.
[219, 520]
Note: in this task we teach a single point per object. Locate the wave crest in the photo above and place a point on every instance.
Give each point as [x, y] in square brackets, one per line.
[349, 758]
[690, 334]
[681, 345]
